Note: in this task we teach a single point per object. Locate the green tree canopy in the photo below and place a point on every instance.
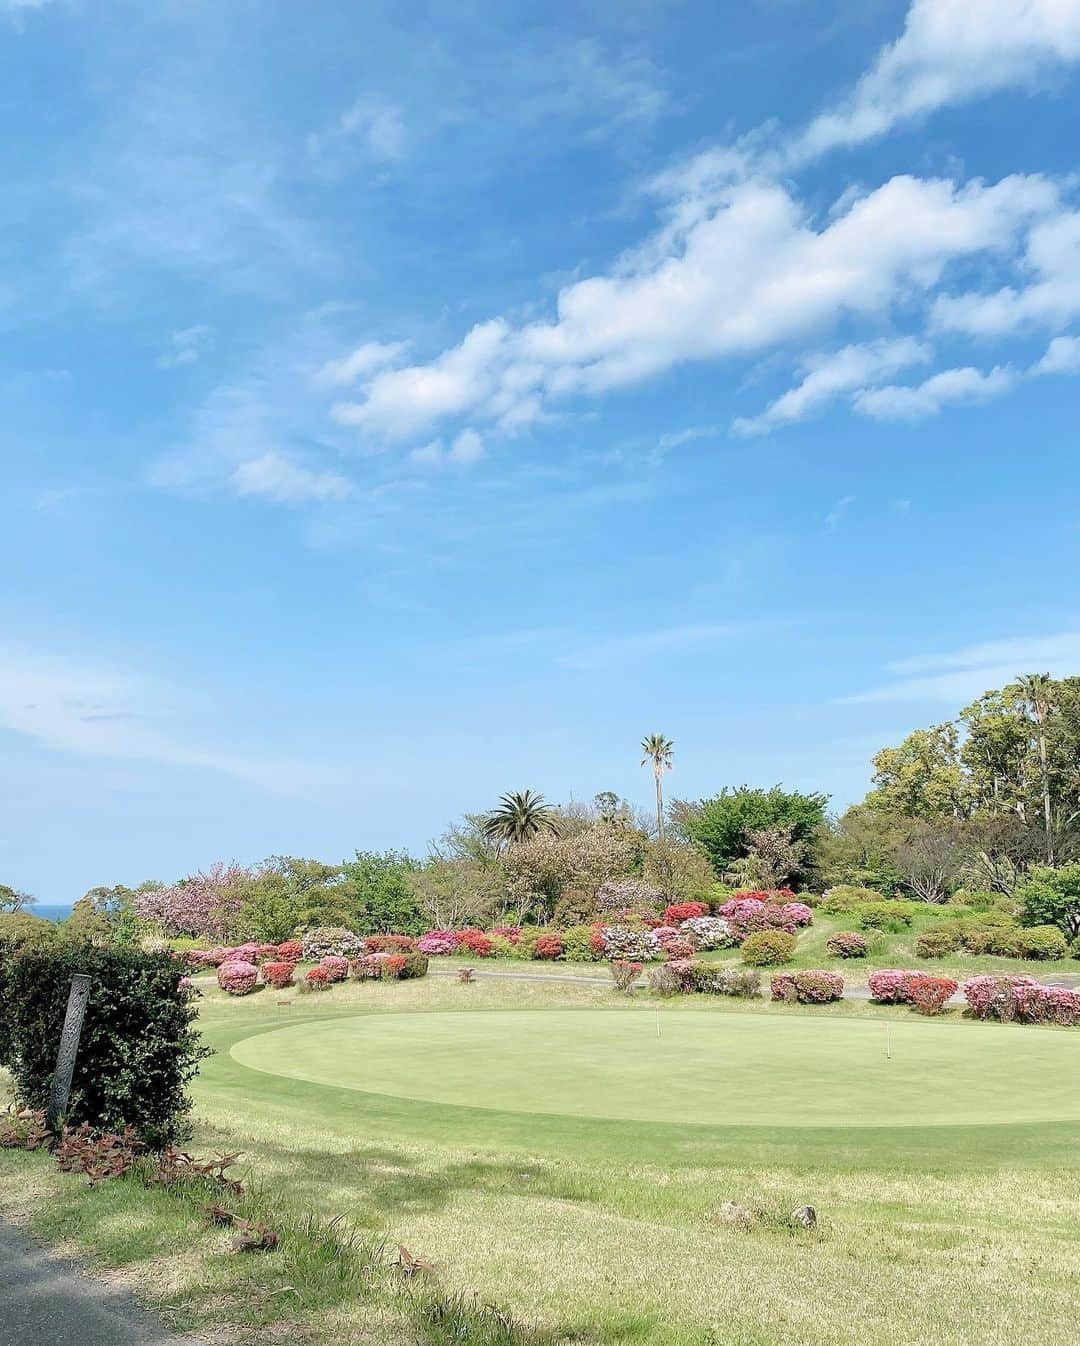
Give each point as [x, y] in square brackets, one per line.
[382, 891]
[721, 825]
[11, 899]
[1051, 896]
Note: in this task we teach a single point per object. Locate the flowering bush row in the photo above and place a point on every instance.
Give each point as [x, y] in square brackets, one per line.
[925, 994]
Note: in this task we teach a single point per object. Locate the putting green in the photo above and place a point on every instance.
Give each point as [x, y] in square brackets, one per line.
[703, 1068]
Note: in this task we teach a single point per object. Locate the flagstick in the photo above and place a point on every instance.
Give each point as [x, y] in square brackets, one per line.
[888, 1042]
[658, 1021]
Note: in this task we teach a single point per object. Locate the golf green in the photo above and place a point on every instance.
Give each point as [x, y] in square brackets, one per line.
[691, 1067]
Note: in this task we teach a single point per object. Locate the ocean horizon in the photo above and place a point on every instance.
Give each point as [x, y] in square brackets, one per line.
[52, 911]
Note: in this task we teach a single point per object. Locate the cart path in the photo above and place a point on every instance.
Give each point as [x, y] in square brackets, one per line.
[49, 1300]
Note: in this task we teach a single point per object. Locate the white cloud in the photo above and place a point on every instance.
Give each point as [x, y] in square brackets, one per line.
[898, 403]
[836, 514]
[364, 360]
[1062, 357]
[273, 476]
[950, 52]
[957, 677]
[744, 271]
[467, 447]
[378, 125]
[1052, 257]
[186, 346]
[830, 376]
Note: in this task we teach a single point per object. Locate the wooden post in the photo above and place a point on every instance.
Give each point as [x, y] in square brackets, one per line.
[68, 1049]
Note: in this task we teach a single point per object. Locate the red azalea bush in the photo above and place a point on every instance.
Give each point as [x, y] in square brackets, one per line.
[887, 986]
[317, 978]
[389, 944]
[678, 949]
[278, 975]
[237, 977]
[335, 966]
[549, 946]
[392, 965]
[928, 995]
[684, 911]
[816, 987]
[217, 956]
[624, 973]
[848, 944]
[475, 941]
[265, 951]
[290, 951]
[366, 968]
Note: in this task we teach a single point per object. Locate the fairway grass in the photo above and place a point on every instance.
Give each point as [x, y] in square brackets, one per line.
[940, 1220]
[687, 1067]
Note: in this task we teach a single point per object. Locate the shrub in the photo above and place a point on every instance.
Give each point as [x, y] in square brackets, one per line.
[678, 948]
[766, 948]
[1041, 942]
[628, 943]
[678, 912]
[279, 975]
[501, 947]
[317, 978]
[628, 894]
[1051, 896]
[392, 966]
[416, 965]
[509, 932]
[438, 943]
[389, 943]
[579, 945]
[887, 986]
[476, 942]
[928, 995]
[138, 1048]
[709, 932]
[335, 967]
[808, 988]
[663, 980]
[845, 897]
[366, 968]
[891, 916]
[322, 940]
[848, 944]
[290, 951]
[1021, 999]
[712, 979]
[624, 974]
[265, 952]
[1074, 948]
[549, 945]
[237, 977]
[800, 912]
[936, 943]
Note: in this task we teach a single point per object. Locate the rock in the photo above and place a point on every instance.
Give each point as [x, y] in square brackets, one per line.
[806, 1216]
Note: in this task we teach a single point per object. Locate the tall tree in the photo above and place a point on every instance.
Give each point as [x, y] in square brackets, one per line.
[12, 900]
[1038, 691]
[721, 826]
[659, 751]
[521, 815]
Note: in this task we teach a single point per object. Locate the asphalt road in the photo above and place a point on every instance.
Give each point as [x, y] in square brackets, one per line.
[45, 1301]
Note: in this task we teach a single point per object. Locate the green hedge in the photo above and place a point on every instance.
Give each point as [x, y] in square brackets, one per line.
[138, 1049]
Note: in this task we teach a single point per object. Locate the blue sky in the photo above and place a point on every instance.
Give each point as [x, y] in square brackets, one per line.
[406, 403]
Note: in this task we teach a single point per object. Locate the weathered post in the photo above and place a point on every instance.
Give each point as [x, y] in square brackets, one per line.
[68, 1049]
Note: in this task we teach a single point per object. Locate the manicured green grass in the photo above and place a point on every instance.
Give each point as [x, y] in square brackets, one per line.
[715, 1069]
[599, 1224]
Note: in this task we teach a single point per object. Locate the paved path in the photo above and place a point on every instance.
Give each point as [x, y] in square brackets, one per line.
[46, 1301]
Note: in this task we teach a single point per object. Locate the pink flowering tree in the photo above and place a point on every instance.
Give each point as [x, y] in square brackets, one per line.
[204, 905]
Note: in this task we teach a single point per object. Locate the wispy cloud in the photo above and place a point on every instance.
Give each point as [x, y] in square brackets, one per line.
[604, 652]
[957, 676]
[836, 514]
[273, 476]
[372, 128]
[899, 403]
[186, 346]
[100, 712]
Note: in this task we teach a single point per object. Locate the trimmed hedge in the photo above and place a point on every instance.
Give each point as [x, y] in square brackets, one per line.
[138, 1049]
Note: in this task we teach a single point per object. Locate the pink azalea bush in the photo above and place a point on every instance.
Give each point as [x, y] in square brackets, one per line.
[748, 913]
[438, 942]
[1021, 999]
[335, 966]
[800, 913]
[887, 986]
[238, 978]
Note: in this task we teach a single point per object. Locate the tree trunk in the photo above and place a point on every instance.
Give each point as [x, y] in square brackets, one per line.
[659, 805]
[1046, 798]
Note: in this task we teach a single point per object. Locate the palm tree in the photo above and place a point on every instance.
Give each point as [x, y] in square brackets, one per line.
[658, 750]
[521, 815]
[1037, 689]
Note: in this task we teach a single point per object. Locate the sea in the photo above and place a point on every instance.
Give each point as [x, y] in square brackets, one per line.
[51, 911]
